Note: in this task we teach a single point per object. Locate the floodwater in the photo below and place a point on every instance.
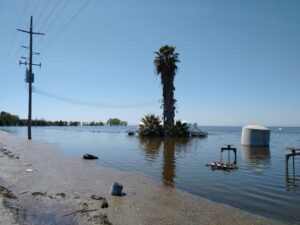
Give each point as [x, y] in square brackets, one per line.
[260, 184]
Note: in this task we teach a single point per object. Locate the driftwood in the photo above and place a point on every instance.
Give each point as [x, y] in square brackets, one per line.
[80, 211]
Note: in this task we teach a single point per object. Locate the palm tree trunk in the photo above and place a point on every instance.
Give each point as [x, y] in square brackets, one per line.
[169, 101]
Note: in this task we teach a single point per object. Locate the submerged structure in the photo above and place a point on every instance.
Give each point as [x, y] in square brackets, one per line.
[195, 131]
[255, 135]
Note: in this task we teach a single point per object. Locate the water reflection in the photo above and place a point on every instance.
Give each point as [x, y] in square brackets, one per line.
[151, 146]
[291, 179]
[256, 155]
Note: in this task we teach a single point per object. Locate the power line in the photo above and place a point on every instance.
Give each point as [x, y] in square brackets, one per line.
[42, 11]
[54, 20]
[37, 5]
[66, 25]
[92, 104]
[50, 14]
[14, 39]
[57, 15]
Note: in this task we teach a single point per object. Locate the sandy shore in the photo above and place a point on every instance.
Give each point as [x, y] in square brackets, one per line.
[40, 186]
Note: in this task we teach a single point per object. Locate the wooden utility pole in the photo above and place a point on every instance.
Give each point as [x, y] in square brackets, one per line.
[29, 74]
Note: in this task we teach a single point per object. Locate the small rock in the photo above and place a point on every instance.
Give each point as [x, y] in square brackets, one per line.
[130, 133]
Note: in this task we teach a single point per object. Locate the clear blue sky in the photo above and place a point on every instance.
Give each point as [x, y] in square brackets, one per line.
[240, 59]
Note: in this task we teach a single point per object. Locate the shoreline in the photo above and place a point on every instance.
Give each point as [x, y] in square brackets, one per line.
[59, 185]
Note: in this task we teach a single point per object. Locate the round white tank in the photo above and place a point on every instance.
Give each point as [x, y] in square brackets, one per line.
[255, 135]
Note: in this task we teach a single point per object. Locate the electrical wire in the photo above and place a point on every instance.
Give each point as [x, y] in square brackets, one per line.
[48, 28]
[66, 25]
[50, 14]
[12, 74]
[91, 104]
[42, 11]
[57, 16]
[37, 5]
[13, 42]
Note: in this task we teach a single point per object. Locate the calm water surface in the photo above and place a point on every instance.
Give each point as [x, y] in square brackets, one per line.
[259, 185]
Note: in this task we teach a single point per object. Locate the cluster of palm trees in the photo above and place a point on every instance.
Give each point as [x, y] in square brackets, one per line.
[165, 66]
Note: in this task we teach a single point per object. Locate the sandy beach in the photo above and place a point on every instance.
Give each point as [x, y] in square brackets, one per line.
[38, 185]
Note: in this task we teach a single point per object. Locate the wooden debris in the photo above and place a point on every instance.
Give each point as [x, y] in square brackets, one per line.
[80, 211]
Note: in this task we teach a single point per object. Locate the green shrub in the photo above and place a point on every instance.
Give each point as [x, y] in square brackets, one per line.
[150, 126]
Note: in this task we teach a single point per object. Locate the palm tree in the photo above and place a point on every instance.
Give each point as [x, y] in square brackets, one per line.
[165, 66]
[150, 126]
[180, 129]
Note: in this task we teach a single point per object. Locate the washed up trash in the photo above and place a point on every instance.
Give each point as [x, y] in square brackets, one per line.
[89, 156]
[116, 189]
[96, 197]
[104, 201]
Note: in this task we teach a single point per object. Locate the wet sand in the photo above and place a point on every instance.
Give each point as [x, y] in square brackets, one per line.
[38, 185]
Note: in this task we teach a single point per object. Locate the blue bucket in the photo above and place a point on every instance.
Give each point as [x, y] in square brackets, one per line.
[116, 189]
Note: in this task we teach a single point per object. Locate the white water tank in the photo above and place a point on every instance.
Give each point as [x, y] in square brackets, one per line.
[255, 135]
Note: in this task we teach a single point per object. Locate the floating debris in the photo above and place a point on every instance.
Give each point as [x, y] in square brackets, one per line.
[89, 156]
[222, 166]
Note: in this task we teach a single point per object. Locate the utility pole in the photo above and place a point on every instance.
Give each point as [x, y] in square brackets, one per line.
[29, 74]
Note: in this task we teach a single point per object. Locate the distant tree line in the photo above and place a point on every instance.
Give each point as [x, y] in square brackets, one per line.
[7, 119]
[93, 123]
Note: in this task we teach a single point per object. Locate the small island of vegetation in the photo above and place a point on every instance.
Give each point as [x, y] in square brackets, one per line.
[116, 122]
